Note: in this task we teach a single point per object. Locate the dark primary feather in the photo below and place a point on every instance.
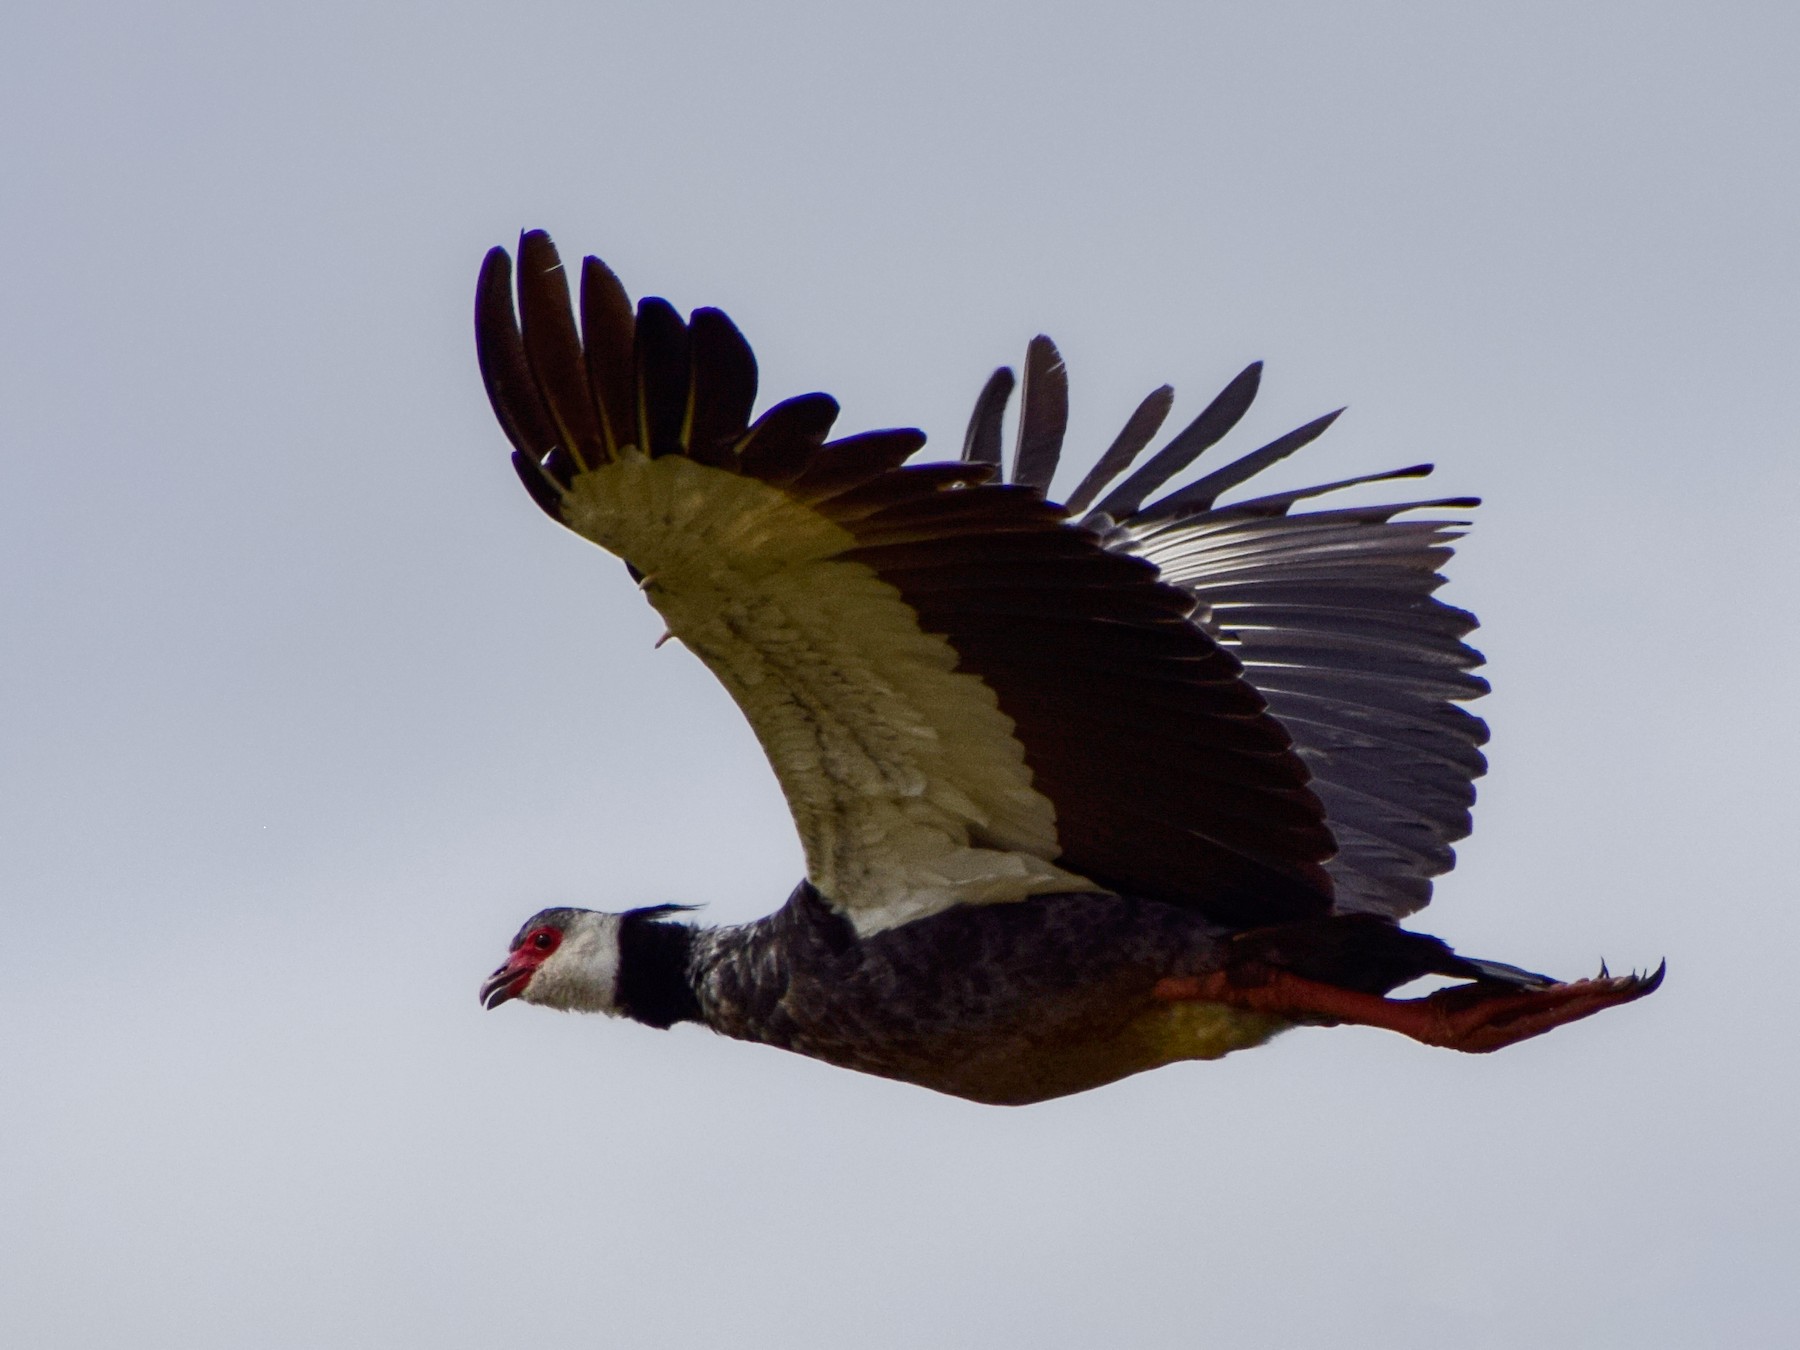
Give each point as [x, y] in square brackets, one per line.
[553, 350]
[1143, 424]
[609, 330]
[663, 352]
[981, 443]
[1043, 415]
[787, 438]
[1200, 495]
[721, 387]
[1205, 431]
[511, 387]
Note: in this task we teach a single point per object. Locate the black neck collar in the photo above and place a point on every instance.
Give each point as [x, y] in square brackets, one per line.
[655, 986]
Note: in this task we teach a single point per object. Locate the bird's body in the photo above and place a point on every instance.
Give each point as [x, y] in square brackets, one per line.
[1008, 1003]
[1080, 794]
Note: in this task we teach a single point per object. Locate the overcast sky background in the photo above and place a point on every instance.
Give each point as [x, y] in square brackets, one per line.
[306, 706]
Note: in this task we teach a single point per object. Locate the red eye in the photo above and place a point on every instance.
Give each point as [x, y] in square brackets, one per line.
[544, 939]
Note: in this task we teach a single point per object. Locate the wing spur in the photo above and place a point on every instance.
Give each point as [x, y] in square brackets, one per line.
[1332, 614]
[965, 698]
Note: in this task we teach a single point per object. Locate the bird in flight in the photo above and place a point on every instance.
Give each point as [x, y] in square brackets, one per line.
[1084, 787]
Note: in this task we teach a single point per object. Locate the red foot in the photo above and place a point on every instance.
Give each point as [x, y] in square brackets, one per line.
[1474, 1017]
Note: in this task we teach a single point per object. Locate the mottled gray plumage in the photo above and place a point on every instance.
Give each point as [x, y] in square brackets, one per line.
[963, 1001]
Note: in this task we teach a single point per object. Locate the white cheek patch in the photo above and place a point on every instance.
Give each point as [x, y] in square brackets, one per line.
[582, 974]
[909, 790]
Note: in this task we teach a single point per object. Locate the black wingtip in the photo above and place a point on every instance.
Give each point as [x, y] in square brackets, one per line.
[1203, 492]
[1214, 422]
[500, 351]
[664, 359]
[1043, 415]
[609, 346]
[1143, 424]
[981, 443]
[787, 437]
[553, 351]
[723, 389]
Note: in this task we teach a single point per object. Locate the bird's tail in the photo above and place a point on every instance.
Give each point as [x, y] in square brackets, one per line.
[1364, 952]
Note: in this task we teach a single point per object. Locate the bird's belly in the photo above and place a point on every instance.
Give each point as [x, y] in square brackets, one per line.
[1021, 1064]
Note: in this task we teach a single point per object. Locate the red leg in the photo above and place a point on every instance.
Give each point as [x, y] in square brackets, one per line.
[1473, 1017]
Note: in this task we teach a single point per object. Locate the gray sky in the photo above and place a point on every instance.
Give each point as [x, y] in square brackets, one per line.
[306, 706]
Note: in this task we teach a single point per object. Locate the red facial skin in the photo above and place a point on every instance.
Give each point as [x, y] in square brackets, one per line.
[509, 981]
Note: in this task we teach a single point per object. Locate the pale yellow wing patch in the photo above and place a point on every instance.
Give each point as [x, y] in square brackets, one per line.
[910, 792]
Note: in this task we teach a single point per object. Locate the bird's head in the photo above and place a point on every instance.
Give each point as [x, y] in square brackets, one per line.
[561, 958]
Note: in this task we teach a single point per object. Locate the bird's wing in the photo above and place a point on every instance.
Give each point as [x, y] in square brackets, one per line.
[1332, 614]
[965, 698]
